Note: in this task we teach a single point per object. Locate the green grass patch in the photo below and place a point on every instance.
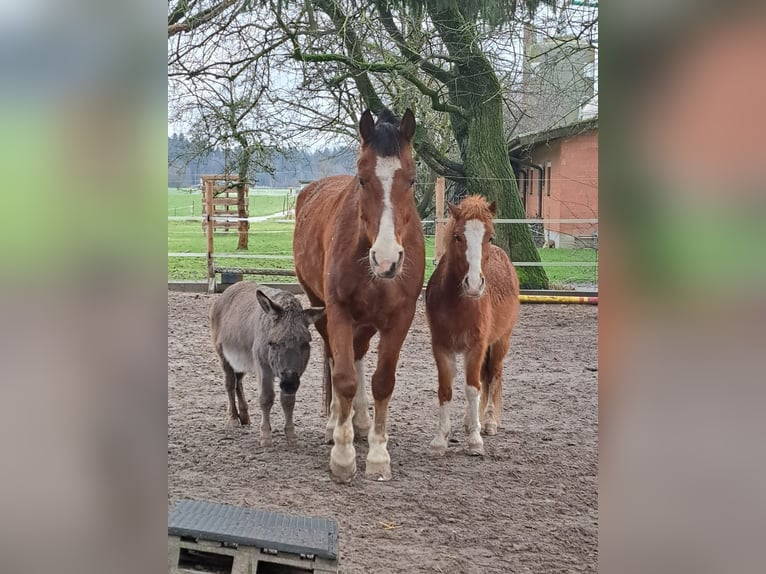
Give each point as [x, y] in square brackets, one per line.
[189, 202]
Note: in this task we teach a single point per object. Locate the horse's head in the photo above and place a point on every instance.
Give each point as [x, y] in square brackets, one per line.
[386, 173]
[471, 231]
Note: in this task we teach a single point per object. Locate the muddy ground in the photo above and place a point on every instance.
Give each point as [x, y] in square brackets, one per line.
[528, 505]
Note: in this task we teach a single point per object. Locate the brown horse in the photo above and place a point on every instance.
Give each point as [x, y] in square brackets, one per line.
[472, 304]
[359, 251]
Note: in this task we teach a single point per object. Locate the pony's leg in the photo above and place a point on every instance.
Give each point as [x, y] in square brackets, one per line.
[288, 405]
[486, 380]
[383, 381]
[473, 363]
[446, 368]
[361, 419]
[244, 414]
[266, 399]
[230, 381]
[494, 381]
[342, 455]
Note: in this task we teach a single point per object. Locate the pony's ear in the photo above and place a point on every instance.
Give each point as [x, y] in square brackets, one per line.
[267, 304]
[493, 208]
[454, 210]
[366, 126]
[407, 125]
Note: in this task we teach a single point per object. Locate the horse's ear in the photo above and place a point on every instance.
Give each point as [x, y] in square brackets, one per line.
[407, 126]
[366, 126]
[493, 208]
[453, 209]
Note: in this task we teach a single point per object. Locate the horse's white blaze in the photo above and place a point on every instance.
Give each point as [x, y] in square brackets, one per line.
[386, 248]
[474, 237]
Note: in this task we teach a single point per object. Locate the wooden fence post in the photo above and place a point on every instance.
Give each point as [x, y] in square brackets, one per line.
[439, 191]
[210, 214]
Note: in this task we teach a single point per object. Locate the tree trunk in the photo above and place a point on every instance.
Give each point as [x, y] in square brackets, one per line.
[244, 226]
[480, 137]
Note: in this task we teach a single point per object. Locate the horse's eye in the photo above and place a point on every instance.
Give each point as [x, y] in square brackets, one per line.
[412, 182]
[491, 238]
[361, 182]
[457, 238]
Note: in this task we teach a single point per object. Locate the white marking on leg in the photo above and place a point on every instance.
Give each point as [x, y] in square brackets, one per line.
[378, 459]
[475, 442]
[386, 248]
[443, 429]
[343, 455]
[474, 238]
[361, 418]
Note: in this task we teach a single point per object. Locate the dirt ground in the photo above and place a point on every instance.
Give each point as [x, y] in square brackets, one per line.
[529, 505]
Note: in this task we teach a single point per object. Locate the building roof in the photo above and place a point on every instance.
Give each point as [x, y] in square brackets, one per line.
[524, 142]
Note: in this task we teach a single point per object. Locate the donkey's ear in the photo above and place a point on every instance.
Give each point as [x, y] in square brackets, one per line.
[407, 125]
[267, 304]
[454, 210]
[366, 126]
[313, 314]
[493, 208]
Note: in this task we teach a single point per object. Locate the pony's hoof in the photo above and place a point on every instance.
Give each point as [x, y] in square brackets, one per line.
[291, 440]
[342, 474]
[490, 429]
[378, 471]
[328, 438]
[266, 441]
[244, 419]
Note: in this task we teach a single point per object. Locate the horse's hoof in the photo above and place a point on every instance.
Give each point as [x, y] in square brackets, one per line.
[475, 445]
[490, 429]
[233, 422]
[291, 440]
[342, 474]
[438, 448]
[328, 438]
[380, 471]
[266, 441]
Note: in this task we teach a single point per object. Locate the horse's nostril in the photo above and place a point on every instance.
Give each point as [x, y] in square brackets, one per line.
[401, 256]
[374, 259]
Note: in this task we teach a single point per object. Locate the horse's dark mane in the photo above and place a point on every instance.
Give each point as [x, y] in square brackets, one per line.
[385, 138]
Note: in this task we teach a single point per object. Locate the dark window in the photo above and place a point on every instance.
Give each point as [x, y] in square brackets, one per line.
[548, 178]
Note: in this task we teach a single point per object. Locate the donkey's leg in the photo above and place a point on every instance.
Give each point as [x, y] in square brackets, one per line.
[361, 419]
[494, 381]
[383, 381]
[230, 380]
[473, 362]
[288, 405]
[266, 399]
[446, 367]
[244, 413]
[342, 455]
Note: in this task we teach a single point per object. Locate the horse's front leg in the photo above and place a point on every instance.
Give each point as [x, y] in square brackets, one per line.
[342, 455]
[383, 381]
[473, 363]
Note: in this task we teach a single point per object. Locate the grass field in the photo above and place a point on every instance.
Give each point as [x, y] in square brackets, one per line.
[273, 238]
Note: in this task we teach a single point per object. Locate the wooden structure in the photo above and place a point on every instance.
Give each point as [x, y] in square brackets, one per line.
[209, 537]
[439, 221]
[219, 197]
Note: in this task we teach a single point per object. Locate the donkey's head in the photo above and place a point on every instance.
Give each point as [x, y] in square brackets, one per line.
[471, 231]
[288, 338]
[386, 173]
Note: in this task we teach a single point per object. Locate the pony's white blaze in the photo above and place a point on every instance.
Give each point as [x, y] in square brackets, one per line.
[385, 251]
[474, 237]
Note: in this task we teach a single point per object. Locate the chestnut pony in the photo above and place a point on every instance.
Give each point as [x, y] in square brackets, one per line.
[359, 251]
[472, 304]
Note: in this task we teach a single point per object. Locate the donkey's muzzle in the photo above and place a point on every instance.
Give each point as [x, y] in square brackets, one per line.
[289, 382]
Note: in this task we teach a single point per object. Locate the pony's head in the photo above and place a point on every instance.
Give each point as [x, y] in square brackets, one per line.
[386, 174]
[468, 235]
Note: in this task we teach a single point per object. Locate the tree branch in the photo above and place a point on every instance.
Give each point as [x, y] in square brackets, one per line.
[175, 26]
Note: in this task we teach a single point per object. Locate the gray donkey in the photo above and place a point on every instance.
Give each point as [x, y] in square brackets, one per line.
[264, 331]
